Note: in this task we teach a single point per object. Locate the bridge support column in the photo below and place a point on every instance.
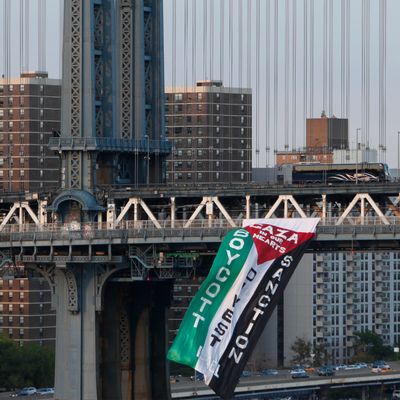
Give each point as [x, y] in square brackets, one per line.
[77, 333]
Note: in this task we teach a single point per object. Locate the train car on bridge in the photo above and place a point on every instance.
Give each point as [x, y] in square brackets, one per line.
[340, 173]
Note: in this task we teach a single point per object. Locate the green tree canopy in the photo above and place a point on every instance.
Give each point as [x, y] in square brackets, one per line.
[370, 346]
[29, 365]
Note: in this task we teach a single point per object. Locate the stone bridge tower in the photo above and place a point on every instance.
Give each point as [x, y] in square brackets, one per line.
[112, 128]
[111, 333]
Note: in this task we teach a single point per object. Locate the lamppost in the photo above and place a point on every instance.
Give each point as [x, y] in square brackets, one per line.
[147, 159]
[357, 130]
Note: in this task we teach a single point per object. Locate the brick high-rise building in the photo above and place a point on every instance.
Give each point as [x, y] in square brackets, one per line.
[210, 129]
[30, 108]
[25, 310]
[328, 133]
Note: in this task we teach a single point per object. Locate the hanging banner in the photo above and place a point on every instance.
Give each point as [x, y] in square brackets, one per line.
[228, 314]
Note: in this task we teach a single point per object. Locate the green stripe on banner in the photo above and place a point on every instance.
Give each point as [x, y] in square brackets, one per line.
[226, 267]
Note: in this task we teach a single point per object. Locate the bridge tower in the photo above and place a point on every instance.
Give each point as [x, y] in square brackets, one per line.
[112, 127]
[111, 337]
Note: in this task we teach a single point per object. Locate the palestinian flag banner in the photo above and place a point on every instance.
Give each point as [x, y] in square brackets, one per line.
[228, 314]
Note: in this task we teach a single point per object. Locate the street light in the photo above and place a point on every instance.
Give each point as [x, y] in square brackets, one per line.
[357, 130]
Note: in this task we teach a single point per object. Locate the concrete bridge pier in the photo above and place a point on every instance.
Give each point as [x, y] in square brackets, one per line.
[113, 352]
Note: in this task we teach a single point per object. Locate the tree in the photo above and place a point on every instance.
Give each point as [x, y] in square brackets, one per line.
[370, 346]
[320, 354]
[302, 349]
[29, 365]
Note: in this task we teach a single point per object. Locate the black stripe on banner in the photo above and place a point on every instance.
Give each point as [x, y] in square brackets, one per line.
[252, 322]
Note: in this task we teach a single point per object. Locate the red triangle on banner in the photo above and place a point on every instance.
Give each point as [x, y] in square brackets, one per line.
[273, 241]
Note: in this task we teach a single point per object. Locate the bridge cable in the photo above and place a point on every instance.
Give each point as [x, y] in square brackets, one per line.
[230, 37]
[21, 36]
[305, 68]
[61, 27]
[257, 85]
[276, 77]
[382, 80]
[347, 86]
[286, 71]
[222, 39]
[268, 81]
[173, 83]
[294, 73]
[324, 57]
[27, 36]
[312, 56]
[205, 39]
[330, 63]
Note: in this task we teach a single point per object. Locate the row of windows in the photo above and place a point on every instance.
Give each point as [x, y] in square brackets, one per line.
[201, 96]
[10, 308]
[200, 118]
[200, 164]
[11, 283]
[199, 107]
[10, 125]
[201, 176]
[202, 152]
[179, 130]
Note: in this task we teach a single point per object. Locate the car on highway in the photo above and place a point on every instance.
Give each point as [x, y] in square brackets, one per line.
[326, 371]
[299, 373]
[44, 391]
[269, 371]
[380, 364]
[361, 365]
[340, 366]
[27, 391]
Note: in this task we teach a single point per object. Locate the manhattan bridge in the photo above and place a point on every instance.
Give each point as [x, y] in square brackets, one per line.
[110, 252]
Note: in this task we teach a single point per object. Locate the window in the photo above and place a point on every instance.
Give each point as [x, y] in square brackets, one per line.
[242, 120]
[217, 175]
[199, 176]
[21, 101]
[10, 307]
[22, 112]
[11, 88]
[199, 96]
[1, 125]
[178, 97]
[21, 320]
[10, 101]
[22, 88]
[199, 107]
[1, 162]
[217, 129]
[41, 113]
[217, 107]
[242, 97]
[217, 118]
[200, 141]
[242, 108]
[22, 173]
[41, 124]
[11, 113]
[1, 307]
[242, 131]
[22, 126]
[10, 295]
[189, 175]
[199, 152]
[1, 88]
[10, 125]
[41, 102]
[1, 113]
[41, 88]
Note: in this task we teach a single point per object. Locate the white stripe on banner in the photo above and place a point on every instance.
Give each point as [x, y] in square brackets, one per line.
[207, 362]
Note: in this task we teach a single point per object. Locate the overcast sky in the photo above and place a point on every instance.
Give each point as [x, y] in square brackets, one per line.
[278, 112]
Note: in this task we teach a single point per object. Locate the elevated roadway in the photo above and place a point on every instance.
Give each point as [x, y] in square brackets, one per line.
[283, 385]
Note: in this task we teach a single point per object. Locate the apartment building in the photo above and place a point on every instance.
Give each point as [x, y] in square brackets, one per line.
[30, 112]
[25, 310]
[209, 126]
